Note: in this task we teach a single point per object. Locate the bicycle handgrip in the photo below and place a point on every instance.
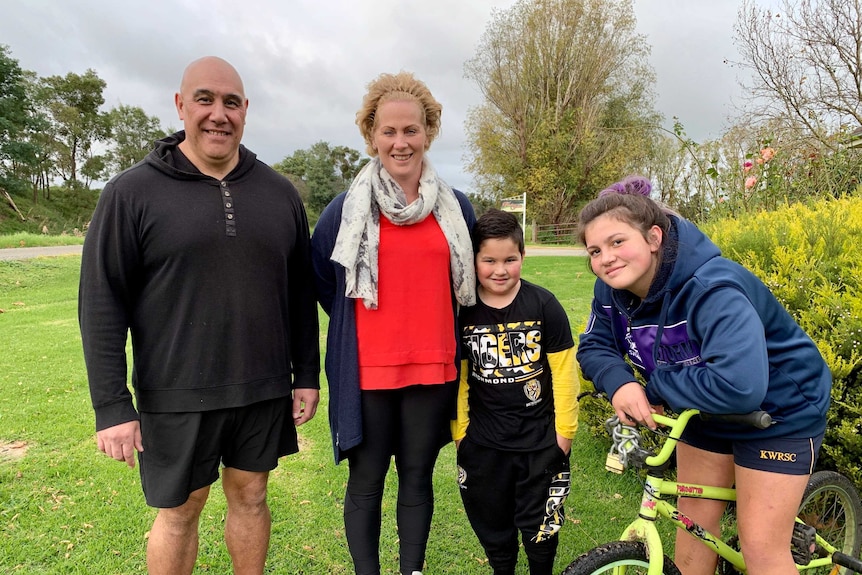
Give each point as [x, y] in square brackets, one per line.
[848, 561]
[759, 419]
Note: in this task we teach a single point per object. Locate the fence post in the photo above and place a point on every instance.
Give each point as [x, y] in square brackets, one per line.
[535, 232]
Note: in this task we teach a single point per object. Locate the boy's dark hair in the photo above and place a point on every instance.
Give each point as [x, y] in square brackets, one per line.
[497, 225]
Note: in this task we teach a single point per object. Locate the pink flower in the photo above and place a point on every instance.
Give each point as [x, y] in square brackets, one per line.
[750, 181]
[759, 161]
[747, 165]
[767, 153]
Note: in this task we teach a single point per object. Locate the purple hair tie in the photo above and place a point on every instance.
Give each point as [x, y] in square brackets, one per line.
[633, 185]
[615, 188]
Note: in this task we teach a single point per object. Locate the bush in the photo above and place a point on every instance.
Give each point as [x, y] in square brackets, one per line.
[807, 256]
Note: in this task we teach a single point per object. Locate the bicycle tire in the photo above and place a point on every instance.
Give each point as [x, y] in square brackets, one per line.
[832, 506]
[630, 555]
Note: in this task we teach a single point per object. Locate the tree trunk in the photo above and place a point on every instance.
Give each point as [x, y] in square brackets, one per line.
[12, 203]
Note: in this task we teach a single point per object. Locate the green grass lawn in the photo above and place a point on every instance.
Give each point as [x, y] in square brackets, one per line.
[29, 240]
[65, 508]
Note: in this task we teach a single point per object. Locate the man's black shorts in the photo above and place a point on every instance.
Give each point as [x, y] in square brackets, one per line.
[183, 451]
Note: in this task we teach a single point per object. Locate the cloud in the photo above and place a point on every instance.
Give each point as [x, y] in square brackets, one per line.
[691, 45]
[305, 64]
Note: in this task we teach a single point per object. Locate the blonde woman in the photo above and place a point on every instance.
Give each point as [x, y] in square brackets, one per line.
[393, 259]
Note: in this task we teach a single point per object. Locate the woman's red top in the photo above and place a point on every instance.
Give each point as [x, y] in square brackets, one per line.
[409, 339]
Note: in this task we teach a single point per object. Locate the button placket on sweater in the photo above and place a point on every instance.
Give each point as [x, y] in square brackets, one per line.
[229, 213]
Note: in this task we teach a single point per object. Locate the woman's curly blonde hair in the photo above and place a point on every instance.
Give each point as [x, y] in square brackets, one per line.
[397, 87]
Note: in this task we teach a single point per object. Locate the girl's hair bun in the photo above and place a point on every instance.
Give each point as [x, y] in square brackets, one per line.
[632, 185]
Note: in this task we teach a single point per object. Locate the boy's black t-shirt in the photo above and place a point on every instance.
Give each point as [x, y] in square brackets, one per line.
[511, 398]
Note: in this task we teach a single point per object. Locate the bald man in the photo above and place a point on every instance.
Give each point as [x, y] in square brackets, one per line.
[201, 252]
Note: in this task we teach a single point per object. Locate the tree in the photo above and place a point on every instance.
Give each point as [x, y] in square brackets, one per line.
[38, 138]
[16, 119]
[806, 64]
[72, 104]
[567, 102]
[95, 167]
[806, 81]
[321, 172]
[132, 134]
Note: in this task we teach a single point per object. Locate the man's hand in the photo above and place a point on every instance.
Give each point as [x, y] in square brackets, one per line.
[121, 441]
[304, 404]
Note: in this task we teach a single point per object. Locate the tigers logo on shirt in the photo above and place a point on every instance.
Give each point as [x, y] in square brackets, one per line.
[533, 389]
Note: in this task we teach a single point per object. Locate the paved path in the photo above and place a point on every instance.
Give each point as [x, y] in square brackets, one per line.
[555, 251]
[25, 253]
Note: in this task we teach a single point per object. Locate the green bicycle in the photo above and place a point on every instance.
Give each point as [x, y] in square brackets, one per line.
[826, 538]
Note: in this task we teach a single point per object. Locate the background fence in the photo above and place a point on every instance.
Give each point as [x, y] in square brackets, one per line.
[566, 233]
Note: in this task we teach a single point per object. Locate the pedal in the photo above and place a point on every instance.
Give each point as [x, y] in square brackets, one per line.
[613, 463]
[802, 543]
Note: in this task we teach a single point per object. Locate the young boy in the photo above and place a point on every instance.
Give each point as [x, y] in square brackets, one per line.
[517, 404]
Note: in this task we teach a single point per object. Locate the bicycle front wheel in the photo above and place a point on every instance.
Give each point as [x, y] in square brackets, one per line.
[831, 505]
[619, 558]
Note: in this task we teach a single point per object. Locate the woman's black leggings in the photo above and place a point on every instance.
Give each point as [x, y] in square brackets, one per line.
[408, 424]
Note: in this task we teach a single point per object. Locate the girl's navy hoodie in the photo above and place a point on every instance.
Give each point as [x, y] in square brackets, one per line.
[711, 336]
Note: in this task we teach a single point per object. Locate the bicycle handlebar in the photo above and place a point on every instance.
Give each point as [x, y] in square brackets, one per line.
[627, 439]
[758, 419]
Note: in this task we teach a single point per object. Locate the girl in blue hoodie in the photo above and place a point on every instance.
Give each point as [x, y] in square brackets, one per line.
[704, 333]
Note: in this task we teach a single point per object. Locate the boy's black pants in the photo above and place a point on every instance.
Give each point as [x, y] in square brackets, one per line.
[505, 492]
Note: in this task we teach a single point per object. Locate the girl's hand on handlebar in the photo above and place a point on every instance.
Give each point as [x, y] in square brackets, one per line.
[631, 405]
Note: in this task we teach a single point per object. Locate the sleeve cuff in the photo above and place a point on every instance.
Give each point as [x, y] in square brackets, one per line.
[115, 414]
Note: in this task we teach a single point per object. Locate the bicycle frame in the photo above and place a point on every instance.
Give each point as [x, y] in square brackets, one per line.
[654, 505]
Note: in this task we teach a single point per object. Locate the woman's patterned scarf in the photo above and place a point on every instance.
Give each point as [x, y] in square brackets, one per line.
[374, 191]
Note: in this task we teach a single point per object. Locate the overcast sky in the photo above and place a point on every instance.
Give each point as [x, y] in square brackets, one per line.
[305, 63]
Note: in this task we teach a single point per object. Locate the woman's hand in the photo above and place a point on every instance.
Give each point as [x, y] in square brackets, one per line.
[631, 405]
